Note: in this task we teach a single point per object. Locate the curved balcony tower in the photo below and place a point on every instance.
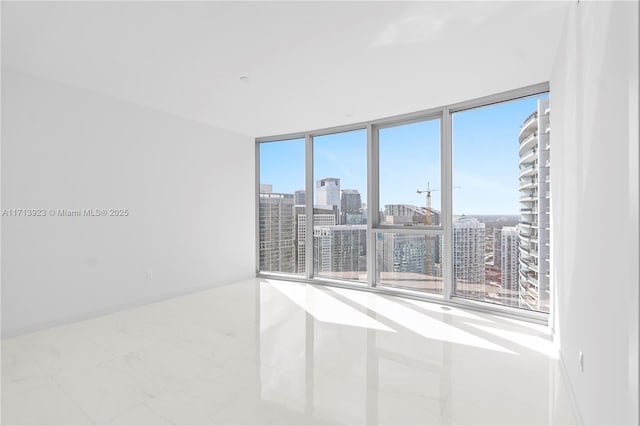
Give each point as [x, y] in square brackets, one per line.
[534, 209]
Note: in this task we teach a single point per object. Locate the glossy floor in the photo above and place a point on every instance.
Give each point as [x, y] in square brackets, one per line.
[274, 352]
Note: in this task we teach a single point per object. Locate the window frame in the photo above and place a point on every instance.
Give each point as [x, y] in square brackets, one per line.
[310, 188]
[444, 229]
[375, 128]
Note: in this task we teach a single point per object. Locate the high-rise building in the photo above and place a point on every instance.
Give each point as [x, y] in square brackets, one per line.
[299, 197]
[340, 250]
[350, 203]
[410, 253]
[497, 247]
[534, 209]
[356, 218]
[277, 232]
[401, 253]
[319, 219]
[509, 265]
[328, 192]
[328, 196]
[468, 257]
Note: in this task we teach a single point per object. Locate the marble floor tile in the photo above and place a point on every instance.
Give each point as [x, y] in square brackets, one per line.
[108, 389]
[268, 352]
[43, 405]
[140, 414]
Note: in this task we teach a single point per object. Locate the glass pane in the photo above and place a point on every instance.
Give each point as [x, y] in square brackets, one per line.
[280, 190]
[501, 203]
[340, 215]
[409, 261]
[410, 174]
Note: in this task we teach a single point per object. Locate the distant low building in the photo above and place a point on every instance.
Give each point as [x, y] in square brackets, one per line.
[400, 214]
[266, 188]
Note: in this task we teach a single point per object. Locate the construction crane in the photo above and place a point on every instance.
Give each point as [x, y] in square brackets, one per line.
[429, 260]
[428, 191]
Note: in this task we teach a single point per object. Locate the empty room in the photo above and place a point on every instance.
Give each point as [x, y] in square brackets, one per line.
[468, 171]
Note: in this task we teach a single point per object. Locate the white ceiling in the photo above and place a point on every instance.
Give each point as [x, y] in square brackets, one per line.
[310, 64]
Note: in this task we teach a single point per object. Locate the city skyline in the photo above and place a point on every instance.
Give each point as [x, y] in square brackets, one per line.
[498, 257]
[482, 138]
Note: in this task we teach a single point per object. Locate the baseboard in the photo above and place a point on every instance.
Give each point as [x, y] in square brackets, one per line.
[31, 328]
[569, 387]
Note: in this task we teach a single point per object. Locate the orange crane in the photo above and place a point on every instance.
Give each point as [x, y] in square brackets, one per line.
[428, 211]
[427, 219]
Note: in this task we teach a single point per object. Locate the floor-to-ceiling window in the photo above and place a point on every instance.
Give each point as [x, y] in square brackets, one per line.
[281, 201]
[450, 203]
[409, 187]
[339, 214]
[501, 203]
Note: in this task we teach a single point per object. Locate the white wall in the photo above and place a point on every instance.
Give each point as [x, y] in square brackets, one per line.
[594, 154]
[188, 187]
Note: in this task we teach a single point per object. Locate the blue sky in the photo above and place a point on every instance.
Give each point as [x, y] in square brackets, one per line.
[485, 160]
